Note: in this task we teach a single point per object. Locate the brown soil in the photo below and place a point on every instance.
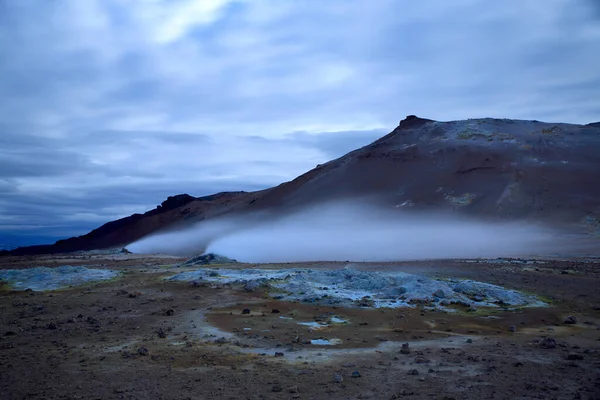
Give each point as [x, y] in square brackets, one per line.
[139, 337]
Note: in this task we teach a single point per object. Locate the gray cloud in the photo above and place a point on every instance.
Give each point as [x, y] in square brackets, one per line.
[103, 98]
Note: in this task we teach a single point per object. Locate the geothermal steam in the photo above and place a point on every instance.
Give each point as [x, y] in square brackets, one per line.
[349, 231]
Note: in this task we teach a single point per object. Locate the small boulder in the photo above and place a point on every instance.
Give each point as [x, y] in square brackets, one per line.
[142, 351]
[570, 320]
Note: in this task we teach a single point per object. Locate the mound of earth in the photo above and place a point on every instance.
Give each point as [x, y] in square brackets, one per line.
[208, 259]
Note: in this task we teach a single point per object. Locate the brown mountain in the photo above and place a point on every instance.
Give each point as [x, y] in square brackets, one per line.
[488, 168]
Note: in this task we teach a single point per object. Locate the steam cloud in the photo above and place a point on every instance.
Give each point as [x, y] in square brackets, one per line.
[352, 232]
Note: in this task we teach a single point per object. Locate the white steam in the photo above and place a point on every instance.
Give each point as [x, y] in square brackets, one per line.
[349, 231]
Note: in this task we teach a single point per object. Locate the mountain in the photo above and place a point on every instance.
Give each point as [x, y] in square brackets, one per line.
[487, 168]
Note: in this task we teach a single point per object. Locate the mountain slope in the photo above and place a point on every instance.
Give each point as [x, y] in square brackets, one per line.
[488, 168]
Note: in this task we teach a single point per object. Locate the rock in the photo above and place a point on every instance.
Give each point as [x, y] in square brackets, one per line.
[413, 372]
[51, 325]
[469, 340]
[9, 333]
[246, 311]
[142, 351]
[356, 374]
[512, 328]
[169, 312]
[161, 333]
[338, 378]
[570, 320]
[405, 349]
[439, 294]
[548, 343]
[478, 298]
[294, 389]
[275, 311]
[209, 259]
[279, 354]
[276, 388]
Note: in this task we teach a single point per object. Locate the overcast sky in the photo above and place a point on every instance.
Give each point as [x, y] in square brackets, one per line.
[109, 106]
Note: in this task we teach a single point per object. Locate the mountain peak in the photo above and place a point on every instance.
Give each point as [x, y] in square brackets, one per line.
[412, 121]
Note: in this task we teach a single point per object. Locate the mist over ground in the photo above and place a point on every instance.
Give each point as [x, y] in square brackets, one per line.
[350, 231]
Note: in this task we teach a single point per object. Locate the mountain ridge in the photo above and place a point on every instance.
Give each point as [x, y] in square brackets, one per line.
[484, 167]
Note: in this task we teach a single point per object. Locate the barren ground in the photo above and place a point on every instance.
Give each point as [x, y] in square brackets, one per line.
[138, 337]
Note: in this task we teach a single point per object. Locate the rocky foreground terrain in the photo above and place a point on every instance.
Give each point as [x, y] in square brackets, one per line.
[143, 334]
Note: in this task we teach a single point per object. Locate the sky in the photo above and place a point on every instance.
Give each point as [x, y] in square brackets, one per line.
[110, 106]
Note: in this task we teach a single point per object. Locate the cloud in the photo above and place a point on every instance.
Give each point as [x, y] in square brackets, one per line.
[191, 95]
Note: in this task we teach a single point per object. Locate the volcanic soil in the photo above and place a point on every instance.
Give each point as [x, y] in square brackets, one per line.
[139, 336]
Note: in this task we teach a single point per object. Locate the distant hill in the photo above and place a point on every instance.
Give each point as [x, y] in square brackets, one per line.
[488, 168]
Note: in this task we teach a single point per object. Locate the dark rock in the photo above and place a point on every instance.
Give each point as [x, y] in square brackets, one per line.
[574, 356]
[571, 320]
[161, 333]
[439, 294]
[51, 325]
[548, 343]
[279, 354]
[276, 388]
[405, 349]
[356, 374]
[246, 311]
[142, 351]
[338, 378]
[169, 312]
[412, 121]
[209, 259]
[275, 311]
[9, 333]
[413, 372]
[512, 328]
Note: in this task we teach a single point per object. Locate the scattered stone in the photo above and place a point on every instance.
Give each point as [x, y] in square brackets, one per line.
[571, 320]
[51, 325]
[469, 340]
[161, 333]
[439, 294]
[338, 378]
[279, 354]
[275, 311]
[478, 298]
[276, 388]
[9, 333]
[134, 295]
[246, 311]
[413, 372]
[142, 351]
[512, 328]
[169, 312]
[356, 374]
[294, 389]
[405, 349]
[548, 343]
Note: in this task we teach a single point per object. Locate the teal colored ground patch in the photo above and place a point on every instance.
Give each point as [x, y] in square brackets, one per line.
[44, 278]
